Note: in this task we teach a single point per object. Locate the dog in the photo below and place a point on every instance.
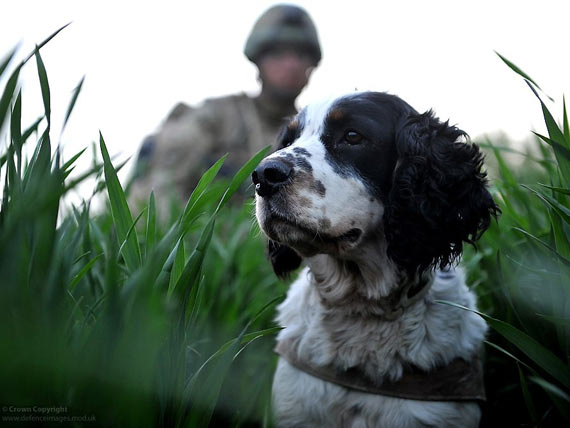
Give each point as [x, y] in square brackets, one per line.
[378, 200]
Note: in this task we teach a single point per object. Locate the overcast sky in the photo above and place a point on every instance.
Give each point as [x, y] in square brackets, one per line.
[140, 58]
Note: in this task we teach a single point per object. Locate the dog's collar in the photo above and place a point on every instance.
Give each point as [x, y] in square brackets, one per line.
[460, 380]
[395, 303]
[408, 291]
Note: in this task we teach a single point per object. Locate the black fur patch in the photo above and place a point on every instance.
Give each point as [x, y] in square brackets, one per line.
[302, 152]
[303, 164]
[291, 131]
[439, 197]
[283, 259]
[320, 188]
[374, 116]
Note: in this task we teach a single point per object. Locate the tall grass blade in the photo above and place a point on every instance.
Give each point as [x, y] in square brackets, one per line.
[3, 159]
[562, 190]
[243, 337]
[177, 265]
[45, 187]
[81, 178]
[73, 159]
[6, 60]
[557, 140]
[565, 127]
[517, 70]
[194, 303]
[76, 92]
[558, 321]
[47, 40]
[190, 274]
[553, 129]
[16, 130]
[42, 162]
[8, 94]
[213, 383]
[150, 235]
[189, 210]
[249, 337]
[131, 231]
[559, 226]
[507, 149]
[120, 212]
[542, 356]
[505, 171]
[560, 399]
[46, 96]
[544, 244]
[101, 184]
[215, 377]
[560, 238]
[562, 155]
[31, 129]
[552, 203]
[243, 173]
[154, 264]
[508, 354]
[13, 187]
[551, 388]
[83, 271]
[556, 135]
[527, 396]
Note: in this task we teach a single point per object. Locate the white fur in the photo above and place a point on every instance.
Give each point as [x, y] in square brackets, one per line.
[428, 334]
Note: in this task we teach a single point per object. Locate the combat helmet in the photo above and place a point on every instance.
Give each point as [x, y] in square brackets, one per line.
[283, 24]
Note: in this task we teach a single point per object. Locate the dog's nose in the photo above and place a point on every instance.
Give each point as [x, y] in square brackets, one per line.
[270, 175]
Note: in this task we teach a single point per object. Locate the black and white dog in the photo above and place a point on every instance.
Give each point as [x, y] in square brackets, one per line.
[378, 200]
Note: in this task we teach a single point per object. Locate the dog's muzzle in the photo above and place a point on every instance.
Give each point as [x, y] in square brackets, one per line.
[270, 176]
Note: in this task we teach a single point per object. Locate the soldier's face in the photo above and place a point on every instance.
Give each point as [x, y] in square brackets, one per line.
[286, 70]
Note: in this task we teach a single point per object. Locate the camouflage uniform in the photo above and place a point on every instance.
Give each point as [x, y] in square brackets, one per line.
[192, 139]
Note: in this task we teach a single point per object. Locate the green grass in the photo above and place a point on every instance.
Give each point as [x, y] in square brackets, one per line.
[522, 276]
[139, 322]
[113, 317]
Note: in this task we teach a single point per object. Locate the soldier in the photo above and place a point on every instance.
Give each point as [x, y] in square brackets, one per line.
[284, 46]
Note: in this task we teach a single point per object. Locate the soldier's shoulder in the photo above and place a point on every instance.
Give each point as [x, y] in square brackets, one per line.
[227, 108]
[179, 110]
[228, 101]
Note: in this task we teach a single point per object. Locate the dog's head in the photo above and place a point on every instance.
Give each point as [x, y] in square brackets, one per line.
[368, 166]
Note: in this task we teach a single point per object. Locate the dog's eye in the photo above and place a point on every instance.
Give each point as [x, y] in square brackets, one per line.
[352, 137]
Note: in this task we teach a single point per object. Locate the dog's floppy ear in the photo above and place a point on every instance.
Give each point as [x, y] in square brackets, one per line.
[438, 198]
[283, 259]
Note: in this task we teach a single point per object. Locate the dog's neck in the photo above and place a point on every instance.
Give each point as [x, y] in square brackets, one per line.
[366, 282]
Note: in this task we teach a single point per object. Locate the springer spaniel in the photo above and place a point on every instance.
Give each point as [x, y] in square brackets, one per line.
[378, 200]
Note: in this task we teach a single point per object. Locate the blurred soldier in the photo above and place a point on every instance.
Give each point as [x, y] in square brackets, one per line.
[284, 46]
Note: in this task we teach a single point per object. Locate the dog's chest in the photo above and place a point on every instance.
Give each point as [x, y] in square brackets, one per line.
[324, 336]
[425, 336]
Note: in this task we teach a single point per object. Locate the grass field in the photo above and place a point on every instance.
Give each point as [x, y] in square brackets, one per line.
[120, 320]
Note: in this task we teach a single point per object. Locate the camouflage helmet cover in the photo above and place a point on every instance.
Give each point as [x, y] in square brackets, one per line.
[283, 24]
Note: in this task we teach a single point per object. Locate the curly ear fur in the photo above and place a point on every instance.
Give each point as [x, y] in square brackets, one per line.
[438, 198]
[283, 259]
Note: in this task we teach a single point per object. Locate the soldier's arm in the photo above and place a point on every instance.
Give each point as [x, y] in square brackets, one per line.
[174, 156]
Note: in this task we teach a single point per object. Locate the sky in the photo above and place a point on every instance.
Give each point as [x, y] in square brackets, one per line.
[140, 58]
